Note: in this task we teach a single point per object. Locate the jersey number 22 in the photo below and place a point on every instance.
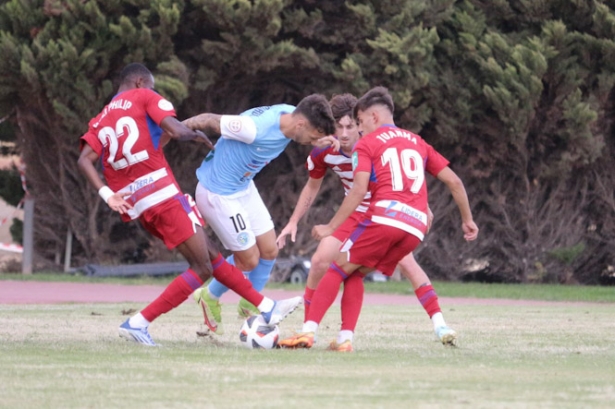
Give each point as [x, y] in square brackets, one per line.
[124, 127]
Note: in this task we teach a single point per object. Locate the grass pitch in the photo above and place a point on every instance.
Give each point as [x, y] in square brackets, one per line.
[69, 356]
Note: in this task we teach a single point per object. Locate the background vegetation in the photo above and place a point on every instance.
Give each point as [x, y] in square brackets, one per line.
[518, 94]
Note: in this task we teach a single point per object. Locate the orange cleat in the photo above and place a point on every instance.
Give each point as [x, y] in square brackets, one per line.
[345, 346]
[301, 340]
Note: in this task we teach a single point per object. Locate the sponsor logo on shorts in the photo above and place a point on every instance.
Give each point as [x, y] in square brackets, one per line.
[235, 125]
[242, 238]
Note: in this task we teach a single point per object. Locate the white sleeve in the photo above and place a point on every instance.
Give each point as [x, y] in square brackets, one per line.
[237, 127]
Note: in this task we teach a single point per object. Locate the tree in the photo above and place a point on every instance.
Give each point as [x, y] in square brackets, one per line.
[58, 59]
[518, 94]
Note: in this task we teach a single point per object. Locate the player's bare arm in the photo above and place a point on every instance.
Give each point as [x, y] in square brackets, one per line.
[207, 122]
[455, 185]
[353, 199]
[177, 130]
[86, 164]
[306, 198]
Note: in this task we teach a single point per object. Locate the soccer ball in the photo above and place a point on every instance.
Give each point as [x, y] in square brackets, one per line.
[256, 334]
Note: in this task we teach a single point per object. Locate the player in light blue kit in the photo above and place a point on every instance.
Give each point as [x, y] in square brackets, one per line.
[227, 197]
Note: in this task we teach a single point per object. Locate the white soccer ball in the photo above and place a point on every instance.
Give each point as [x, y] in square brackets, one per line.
[255, 333]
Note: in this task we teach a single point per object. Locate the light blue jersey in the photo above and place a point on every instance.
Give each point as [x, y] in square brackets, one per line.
[233, 164]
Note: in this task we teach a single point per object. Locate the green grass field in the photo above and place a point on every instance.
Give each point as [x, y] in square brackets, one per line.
[69, 356]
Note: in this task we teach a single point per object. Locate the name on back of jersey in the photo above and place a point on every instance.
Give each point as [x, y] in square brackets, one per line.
[115, 104]
[397, 133]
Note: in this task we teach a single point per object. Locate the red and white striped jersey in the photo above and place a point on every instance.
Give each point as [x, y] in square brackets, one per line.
[321, 159]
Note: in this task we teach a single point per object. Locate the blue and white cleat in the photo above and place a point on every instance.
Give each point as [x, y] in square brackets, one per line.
[281, 309]
[446, 335]
[139, 335]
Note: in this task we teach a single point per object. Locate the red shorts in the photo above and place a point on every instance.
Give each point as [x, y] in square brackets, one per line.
[173, 221]
[378, 246]
[342, 232]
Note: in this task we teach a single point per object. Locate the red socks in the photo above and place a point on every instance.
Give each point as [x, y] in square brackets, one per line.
[352, 301]
[307, 301]
[172, 296]
[428, 299]
[233, 278]
[325, 293]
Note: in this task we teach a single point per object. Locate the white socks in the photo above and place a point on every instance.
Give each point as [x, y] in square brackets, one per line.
[438, 320]
[344, 335]
[266, 305]
[310, 326]
[138, 321]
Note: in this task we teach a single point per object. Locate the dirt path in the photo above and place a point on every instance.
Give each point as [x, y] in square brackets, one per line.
[33, 292]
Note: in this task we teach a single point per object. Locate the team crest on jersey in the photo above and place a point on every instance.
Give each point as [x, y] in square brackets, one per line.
[242, 238]
[234, 125]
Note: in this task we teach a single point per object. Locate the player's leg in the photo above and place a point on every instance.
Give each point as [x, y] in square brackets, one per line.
[326, 292]
[324, 296]
[379, 247]
[351, 303]
[325, 253]
[228, 217]
[258, 269]
[259, 275]
[229, 220]
[428, 298]
[327, 250]
[272, 311]
[176, 223]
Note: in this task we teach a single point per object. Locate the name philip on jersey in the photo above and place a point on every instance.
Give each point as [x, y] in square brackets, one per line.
[397, 133]
[115, 104]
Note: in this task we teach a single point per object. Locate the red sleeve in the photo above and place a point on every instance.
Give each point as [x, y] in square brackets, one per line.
[157, 107]
[361, 157]
[91, 138]
[315, 163]
[435, 162]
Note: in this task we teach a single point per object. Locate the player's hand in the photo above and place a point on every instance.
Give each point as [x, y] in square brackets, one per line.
[204, 139]
[290, 228]
[470, 230]
[429, 218]
[328, 140]
[321, 231]
[118, 204]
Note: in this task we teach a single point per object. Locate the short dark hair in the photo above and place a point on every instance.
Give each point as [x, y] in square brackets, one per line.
[342, 105]
[375, 96]
[317, 111]
[133, 70]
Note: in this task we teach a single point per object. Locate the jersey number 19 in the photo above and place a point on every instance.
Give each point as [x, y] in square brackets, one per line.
[408, 163]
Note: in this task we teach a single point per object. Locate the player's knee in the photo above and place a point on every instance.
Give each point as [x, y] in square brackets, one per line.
[320, 265]
[269, 253]
[246, 263]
